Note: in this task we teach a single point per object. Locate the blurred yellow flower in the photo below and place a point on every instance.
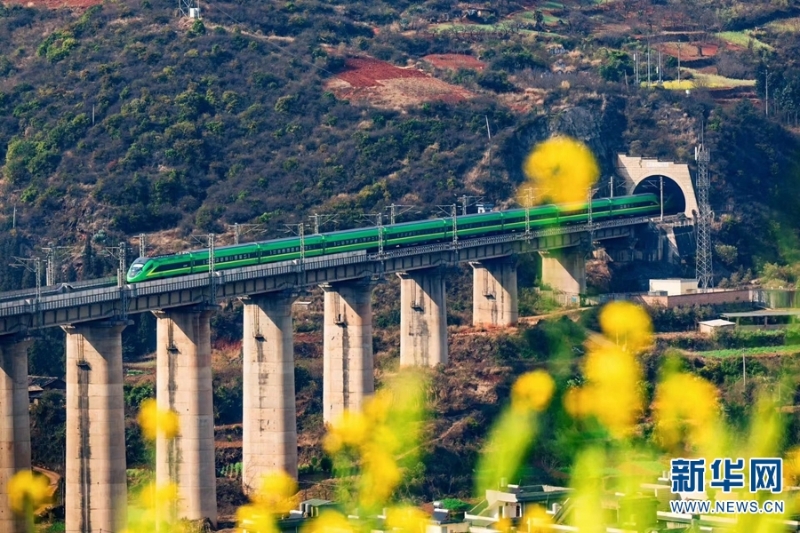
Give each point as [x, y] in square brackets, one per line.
[157, 422]
[27, 491]
[276, 493]
[406, 518]
[612, 392]
[503, 525]
[791, 467]
[627, 324]
[536, 520]
[532, 391]
[350, 429]
[376, 408]
[685, 407]
[255, 519]
[154, 496]
[379, 477]
[562, 169]
[577, 402]
[328, 522]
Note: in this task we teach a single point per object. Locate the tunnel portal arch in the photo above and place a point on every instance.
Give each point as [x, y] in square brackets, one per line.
[639, 172]
[674, 198]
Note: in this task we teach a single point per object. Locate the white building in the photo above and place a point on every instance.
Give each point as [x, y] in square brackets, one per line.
[673, 286]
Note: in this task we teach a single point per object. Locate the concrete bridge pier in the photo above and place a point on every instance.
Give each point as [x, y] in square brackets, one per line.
[348, 374]
[15, 432]
[183, 384]
[270, 417]
[494, 292]
[565, 270]
[95, 485]
[423, 318]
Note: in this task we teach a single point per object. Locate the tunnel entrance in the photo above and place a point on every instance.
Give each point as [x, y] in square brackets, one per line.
[674, 200]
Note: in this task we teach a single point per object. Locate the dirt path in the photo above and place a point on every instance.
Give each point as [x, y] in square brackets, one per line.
[55, 480]
[535, 319]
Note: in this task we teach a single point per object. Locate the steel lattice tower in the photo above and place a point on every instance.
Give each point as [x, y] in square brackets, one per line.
[189, 8]
[705, 271]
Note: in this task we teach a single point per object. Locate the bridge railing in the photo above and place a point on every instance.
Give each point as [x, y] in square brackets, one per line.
[30, 304]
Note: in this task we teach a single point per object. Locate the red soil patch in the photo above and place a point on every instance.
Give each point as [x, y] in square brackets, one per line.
[385, 85]
[55, 4]
[454, 61]
[365, 72]
[694, 51]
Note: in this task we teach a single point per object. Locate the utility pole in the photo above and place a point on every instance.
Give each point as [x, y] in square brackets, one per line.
[120, 254]
[51, 262]
[489, 133]
[301, 232]
[212, 281]
[648, 63]
[705, 275]
[50, 269]
[659, 69]
[465, 202]
[397, 210]
[636, 68]
[454, 215]
[452, 211]
[591, 192]
[527, 197]
[142, 245]
[26, 262]
[321, 220]
[378, 221]
[239, 230]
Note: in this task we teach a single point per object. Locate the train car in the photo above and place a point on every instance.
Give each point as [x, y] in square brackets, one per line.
[394, 236]
[412, 233]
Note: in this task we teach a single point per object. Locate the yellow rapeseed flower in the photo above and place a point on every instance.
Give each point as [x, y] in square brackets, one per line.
[562, 169]
[276, 492]
[329, 521]
[350, 429]
[791, 467]
[503, 525]
[255, 519]
[685, 407]
[532, 391]
[157, 422]
[612, 392]
[536, 520]
[27, 491]
[408, 519]
[627, 324]
[379, 477]
[376, 408]
[577, 402]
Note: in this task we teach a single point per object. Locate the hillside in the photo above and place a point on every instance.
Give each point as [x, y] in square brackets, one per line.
[122, 118]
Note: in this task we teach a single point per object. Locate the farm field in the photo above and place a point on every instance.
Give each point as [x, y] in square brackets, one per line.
[743, 39]
[385, 85]
[454, 61]
[739, 352]
[710, 81]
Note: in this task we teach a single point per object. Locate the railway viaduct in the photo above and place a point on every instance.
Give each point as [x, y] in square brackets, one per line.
[94, 318]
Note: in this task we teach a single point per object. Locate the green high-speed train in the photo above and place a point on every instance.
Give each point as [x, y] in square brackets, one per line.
[394, 236]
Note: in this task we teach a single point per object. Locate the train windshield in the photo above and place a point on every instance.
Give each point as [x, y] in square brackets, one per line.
[136, 266]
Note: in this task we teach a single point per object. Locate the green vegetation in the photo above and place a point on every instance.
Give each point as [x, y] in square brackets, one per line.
[745, 39]
[763, 350]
